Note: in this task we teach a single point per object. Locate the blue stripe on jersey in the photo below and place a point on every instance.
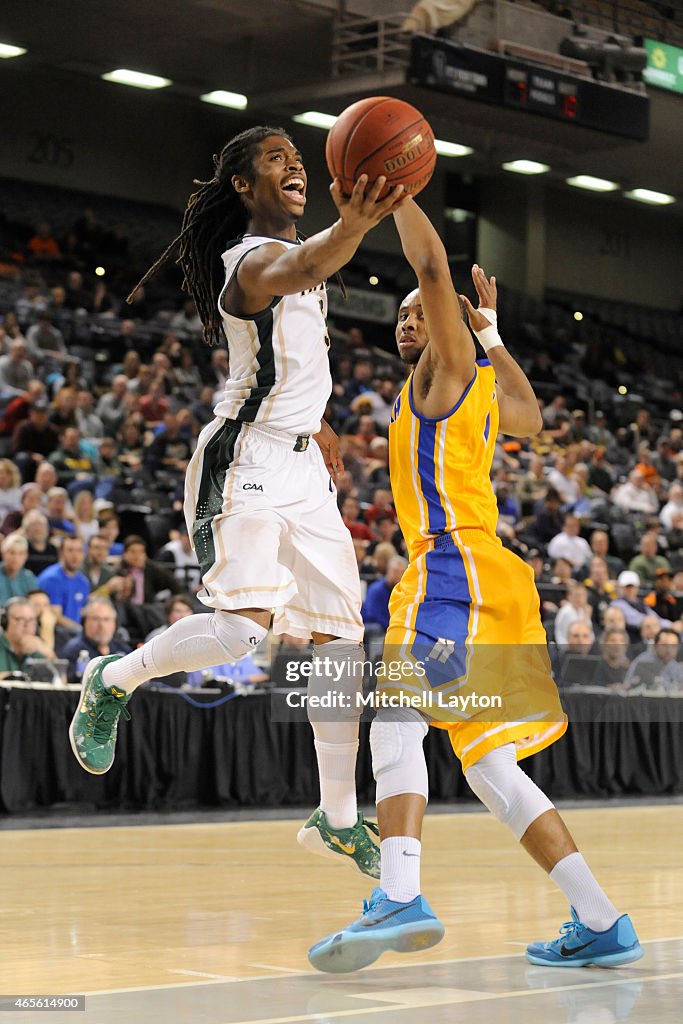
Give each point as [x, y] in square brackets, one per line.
[483, 362]
[426, 468]
[443, 615]
[487, 427]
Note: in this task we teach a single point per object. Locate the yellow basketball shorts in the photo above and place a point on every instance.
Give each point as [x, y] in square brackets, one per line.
[466, 647]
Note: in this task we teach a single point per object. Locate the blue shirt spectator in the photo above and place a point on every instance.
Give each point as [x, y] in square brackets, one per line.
[65, 584]
[375, 610]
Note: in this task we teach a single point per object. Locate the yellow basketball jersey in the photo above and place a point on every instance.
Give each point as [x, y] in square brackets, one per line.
[440, 467]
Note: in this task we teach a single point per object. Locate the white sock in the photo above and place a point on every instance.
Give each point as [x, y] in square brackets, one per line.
[195, 642]
[400, 871]
[336, 729]
[337, 770]
[578, 883]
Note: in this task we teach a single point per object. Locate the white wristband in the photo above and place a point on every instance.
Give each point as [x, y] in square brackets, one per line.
[490, 314]
[489, 338]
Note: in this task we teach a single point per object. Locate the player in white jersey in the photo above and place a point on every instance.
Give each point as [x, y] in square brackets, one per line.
[260, 506]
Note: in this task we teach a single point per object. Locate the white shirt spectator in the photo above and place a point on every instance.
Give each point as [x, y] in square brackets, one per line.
[575, 550]
[636, 495]
[673, 505]
[566, 617]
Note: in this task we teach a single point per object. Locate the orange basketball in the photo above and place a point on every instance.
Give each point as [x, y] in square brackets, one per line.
[381, 135]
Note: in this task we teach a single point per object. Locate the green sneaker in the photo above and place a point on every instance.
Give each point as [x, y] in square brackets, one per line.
[93, 728]
[352, 846]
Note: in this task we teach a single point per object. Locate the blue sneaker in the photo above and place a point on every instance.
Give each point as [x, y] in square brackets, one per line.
[580, 946]
[383, 925]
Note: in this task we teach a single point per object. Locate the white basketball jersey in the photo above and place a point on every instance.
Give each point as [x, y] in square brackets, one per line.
[279, 363]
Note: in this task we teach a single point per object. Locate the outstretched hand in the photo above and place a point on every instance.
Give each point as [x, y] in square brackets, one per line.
[488, 296]
[363, 209]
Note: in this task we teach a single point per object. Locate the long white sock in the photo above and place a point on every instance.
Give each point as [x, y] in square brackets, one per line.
[400, 871]
[336, 729]
[337, 770]
[195, 642]
[578, 883]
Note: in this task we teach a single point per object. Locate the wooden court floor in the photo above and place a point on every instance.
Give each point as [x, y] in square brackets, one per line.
[104, 909]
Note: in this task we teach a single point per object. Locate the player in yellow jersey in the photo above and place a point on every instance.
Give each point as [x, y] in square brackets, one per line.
[465, 629]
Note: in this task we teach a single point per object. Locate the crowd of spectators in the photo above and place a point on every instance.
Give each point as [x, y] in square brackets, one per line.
[101, 404]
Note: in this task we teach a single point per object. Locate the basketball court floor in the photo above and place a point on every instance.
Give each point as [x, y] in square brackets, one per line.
[210, 923]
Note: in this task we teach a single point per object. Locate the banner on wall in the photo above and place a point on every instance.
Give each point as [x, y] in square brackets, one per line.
[376, 307]
[664, 66]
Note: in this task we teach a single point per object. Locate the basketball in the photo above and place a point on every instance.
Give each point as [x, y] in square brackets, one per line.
[381, 135]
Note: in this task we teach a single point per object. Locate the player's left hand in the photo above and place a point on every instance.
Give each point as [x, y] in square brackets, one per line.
[488, 296]
[328, 442]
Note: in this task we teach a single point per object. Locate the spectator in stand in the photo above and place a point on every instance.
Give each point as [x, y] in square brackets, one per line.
[45, 343]
[180, 553]
[15, 369]
[59, 513]
[662, 601]
[97, 636]
[657, 668]
[541, 370]
[31, 497]
[34, 439]
[663, 461]
[63, 411]
[629, 603]
[569, 545]
[187, 376]
[220, 369]
[112, 407]
[636, 495]
[109, 528]
[599, 545]
[350, 511]
[382, 505]
[43, 247]
[101, 302]
[645, 466]
[47, 623]
[640, 431]
[88, 422]
[41, 551]
[377, 467]
[151, 582]
[648, 561]
[600, 476]
[674, 536]
[186, 322]
[561, 574]
[73, 462]
[96, 564]
[19, 640]
[613, 618]
[154, 405]
[10, 488]
[548, 518]
[561, 478]
[381, 556]
[601, 591]
[15, 579]
[579, 644]
[202, 407]
[18, 408]
[649, 628]
[532, 486]
[170, 450]
[46, 479]
[575, 609]
[31, 303]
[375, 609]
[674, 504]
[84, 519]
[614, 661]
[361, 379]
[66, 585]
[599, 433]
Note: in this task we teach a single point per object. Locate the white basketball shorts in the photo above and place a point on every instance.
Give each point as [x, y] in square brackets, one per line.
[264, 522]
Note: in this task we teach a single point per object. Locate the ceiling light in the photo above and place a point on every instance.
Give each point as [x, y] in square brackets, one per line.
[373, 279]
[578, 315]
[444, 148]
[7, 50]
[526, 167]
[315, 119]
[592, 184]
[138, 79]
[646, 195]
[622, 389]
[222, 98]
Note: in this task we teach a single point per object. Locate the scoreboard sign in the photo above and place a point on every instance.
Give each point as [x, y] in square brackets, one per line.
[493, 78]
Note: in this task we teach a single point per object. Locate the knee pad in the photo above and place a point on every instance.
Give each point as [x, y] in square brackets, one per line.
[507, 791]
[398, 760]
[237, 634]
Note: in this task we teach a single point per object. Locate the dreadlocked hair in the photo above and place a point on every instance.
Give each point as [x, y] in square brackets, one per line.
[215, 214]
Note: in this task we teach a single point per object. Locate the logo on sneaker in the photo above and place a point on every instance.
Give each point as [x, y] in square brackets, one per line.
[380, 920]
[565, 951]
[350, 849]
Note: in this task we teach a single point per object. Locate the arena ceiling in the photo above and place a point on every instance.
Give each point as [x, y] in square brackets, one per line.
[278, 52]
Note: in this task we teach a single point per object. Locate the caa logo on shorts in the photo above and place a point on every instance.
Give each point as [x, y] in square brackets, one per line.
[252, 487]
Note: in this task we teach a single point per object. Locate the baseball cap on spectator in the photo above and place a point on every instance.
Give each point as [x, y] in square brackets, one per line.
[676, 414]
[663, 572]
[628, 578]
[41, 405]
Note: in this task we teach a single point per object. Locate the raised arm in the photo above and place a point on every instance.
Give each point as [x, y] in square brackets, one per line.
[273, 269]
[450, 342]
[517, 403]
